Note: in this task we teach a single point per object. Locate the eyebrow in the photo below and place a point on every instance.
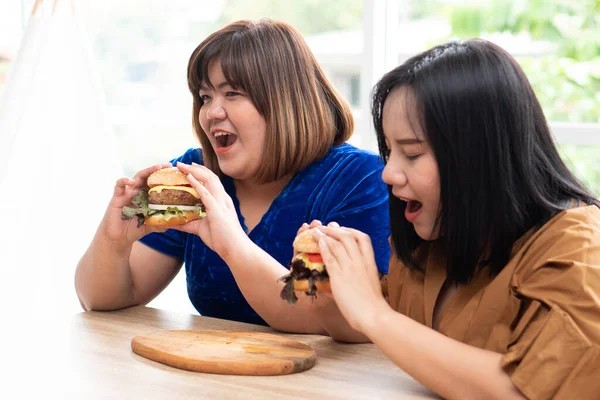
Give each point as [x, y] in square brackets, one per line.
[409, 141]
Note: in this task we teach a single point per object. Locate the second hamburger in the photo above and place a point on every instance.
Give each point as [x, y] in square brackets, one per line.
[307, 273]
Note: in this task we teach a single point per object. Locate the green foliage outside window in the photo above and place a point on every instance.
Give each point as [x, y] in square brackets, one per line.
[308, 16]
[567, 79]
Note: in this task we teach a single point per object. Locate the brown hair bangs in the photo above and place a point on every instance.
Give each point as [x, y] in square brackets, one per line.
[272, 63]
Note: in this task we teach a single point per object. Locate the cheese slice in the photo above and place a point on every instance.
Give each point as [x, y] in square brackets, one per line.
[310, 264]
[160, 188]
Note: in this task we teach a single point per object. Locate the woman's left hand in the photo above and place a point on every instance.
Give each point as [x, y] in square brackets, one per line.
[220, 229]
[348, 256]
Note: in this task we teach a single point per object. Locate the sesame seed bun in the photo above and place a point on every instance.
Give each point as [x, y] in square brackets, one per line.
[304, 243]
[168, 177]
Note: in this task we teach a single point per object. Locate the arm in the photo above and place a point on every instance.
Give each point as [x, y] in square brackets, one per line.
[110, 277]
[116, 271]
[255, 271]
[450, 368]
[257, 275]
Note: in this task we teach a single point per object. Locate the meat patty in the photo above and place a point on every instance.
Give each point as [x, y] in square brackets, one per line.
[173, 197]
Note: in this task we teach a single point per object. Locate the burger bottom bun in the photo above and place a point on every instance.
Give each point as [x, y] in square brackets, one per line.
[305, 243]
[160, 220]
[302, 285]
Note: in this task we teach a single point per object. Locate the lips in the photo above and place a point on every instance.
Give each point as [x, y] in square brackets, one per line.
[224, 140]
[413, 210]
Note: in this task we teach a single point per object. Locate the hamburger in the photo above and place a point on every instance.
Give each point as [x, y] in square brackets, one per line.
[170, 200]
[307, 270]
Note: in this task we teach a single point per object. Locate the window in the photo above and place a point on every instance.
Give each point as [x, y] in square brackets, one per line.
[142, 48]
[556, 43]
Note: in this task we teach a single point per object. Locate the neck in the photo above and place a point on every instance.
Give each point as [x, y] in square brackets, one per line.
[265, 190]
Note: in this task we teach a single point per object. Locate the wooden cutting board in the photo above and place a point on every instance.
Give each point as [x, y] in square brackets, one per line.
[226, 352]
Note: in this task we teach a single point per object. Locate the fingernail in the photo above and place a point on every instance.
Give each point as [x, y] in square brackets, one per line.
[304, 225]
[195, 164]
[334, 224]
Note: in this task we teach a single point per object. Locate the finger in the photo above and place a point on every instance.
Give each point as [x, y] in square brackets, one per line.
[364, 243]
[302, 228]
[333, 247]
[190, 227]
[350, 239]
[207, 177]
[159, 229]
[142, 176]
[330, 254]
[333, 224]
[205, 196]
[121, 186]
[315, 223]
[342, 235]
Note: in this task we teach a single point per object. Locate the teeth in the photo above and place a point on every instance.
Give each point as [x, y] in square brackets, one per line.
[220, 133]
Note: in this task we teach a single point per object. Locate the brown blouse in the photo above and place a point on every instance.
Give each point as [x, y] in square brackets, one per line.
[542, 311]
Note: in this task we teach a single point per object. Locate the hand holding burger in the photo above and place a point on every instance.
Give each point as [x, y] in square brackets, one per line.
[170, 200]
[356, 284]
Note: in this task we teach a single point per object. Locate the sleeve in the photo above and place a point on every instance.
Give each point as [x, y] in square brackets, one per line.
[172, 242]
[361, 199]
[554, 348]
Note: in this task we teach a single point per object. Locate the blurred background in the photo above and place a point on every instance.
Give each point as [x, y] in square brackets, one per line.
[141, 48]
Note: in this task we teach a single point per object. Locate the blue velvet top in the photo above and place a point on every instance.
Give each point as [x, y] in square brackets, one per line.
[345, 186]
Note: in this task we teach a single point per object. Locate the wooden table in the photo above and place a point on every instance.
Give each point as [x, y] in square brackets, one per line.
[91, 357]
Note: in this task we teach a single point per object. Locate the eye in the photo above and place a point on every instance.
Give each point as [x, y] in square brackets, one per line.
[232, 94]
[412, 157]
[204, 97]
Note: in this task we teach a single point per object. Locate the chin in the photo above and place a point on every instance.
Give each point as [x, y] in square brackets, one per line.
[237, 170]
[426, 234]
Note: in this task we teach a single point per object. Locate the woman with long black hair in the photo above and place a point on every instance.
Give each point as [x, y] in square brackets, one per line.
[494, 281]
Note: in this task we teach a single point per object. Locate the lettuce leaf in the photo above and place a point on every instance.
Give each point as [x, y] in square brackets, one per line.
[141, 211]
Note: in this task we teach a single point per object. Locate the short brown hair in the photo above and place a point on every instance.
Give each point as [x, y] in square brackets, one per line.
[272, 63]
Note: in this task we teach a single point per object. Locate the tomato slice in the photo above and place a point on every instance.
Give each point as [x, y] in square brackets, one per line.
[314, 257]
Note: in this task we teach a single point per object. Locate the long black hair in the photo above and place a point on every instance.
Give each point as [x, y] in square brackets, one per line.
[500, 172]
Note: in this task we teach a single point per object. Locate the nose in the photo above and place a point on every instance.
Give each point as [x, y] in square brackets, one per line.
[393, 175]
[214, 112]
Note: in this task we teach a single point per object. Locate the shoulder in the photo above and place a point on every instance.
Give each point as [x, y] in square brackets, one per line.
[344, 162]
[347, 153]
[575, 225]
[190, 156]
[568, 245]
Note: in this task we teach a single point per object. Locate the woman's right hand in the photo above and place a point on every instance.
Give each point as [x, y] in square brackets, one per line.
[126, 232]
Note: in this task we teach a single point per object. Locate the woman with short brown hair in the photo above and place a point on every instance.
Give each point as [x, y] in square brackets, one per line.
[305, 116]
[272, 131]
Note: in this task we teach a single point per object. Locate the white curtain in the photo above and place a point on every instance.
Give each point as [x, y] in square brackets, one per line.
[58, 165]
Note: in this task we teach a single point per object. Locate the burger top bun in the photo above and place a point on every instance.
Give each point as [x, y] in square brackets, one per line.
[169, 177]
[305, 243]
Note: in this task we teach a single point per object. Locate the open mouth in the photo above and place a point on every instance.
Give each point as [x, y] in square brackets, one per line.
[224, 139]
[413, 206]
